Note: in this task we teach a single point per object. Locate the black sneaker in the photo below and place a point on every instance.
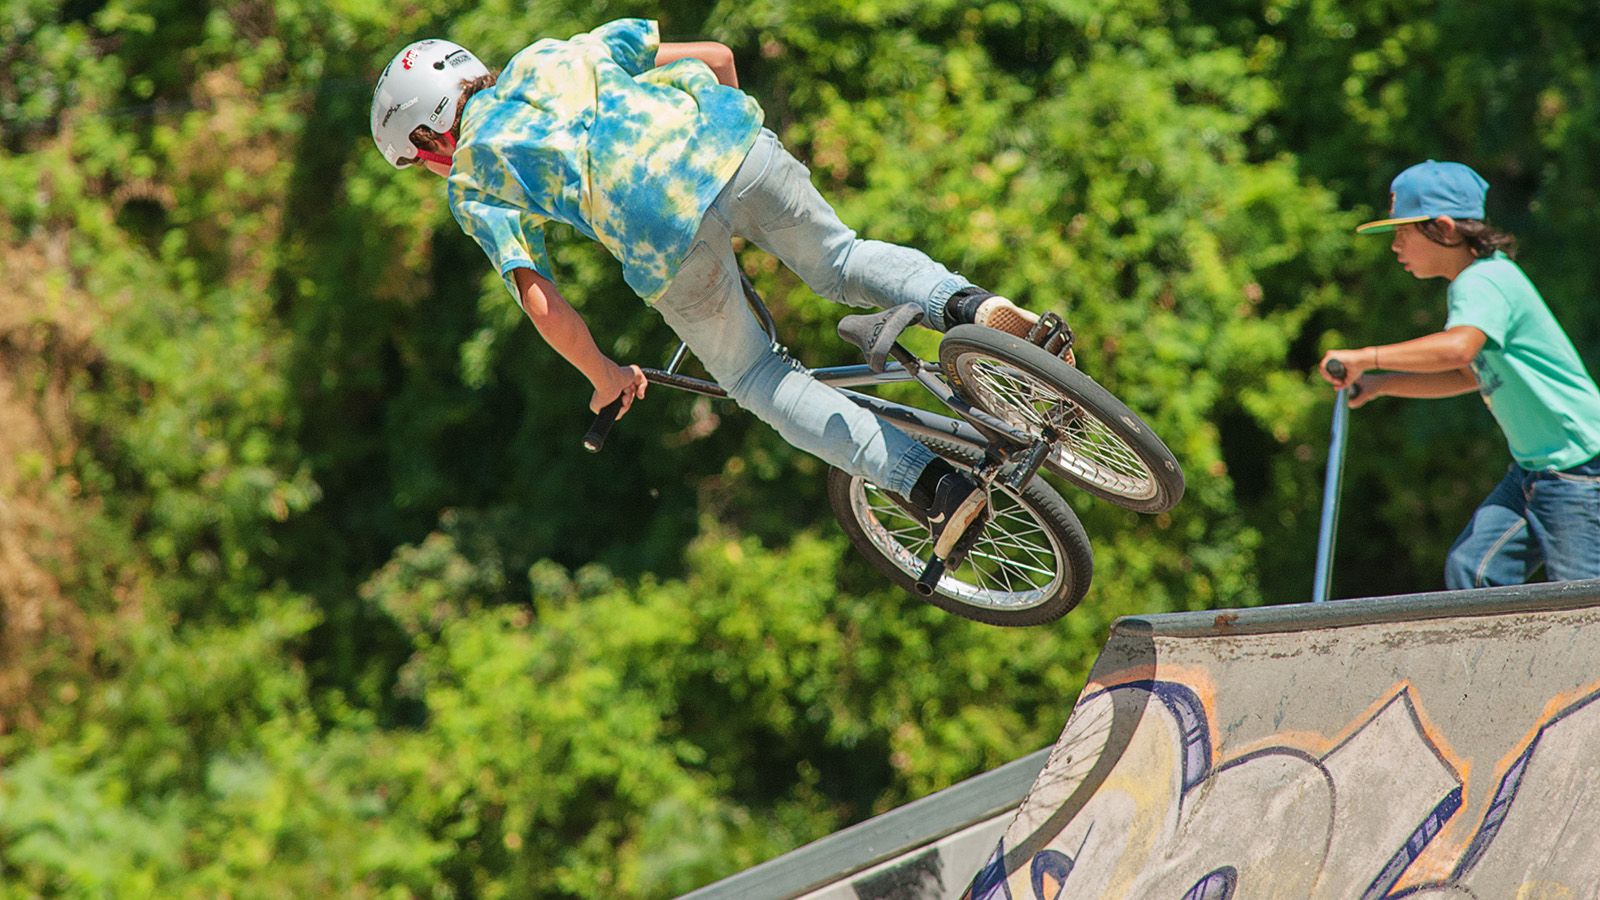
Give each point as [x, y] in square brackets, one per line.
[958, 502]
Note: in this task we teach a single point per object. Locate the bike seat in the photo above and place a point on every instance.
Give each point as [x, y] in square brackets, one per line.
[876, 333]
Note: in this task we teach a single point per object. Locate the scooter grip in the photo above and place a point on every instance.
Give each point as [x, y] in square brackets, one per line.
[1337, 370]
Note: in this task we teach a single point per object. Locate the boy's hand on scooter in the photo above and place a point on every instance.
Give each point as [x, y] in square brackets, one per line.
[1352, 361]
[1363, 390]
[625, 382]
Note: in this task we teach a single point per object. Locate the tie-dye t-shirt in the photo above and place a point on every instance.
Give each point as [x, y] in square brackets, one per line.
[589, 132]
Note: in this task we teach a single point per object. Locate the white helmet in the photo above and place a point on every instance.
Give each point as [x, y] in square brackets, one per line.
[420, 86]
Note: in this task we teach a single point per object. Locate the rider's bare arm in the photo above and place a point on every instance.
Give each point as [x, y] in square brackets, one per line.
[718, 56]
[564, 329]
[1424, 386]
[1443, 351]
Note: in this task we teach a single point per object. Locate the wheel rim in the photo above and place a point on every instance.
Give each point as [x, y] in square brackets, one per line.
[1088, 451]
[1014, 566]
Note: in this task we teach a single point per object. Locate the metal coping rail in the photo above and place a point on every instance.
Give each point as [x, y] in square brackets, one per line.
[1525, 598]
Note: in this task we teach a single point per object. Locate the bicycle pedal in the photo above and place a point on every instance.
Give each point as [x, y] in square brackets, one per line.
[1047, 324]
[1054, 336]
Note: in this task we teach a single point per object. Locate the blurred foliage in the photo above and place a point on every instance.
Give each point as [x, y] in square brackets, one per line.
[350, 613]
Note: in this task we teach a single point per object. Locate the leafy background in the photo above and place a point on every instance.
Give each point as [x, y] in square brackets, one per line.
[306, 589]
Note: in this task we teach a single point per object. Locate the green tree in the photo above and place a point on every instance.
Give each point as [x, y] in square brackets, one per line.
[348, 612]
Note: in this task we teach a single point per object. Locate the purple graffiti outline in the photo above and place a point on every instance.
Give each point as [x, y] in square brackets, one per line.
[992, 881]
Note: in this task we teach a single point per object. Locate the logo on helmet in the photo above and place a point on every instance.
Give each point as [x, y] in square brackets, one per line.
[397, 108]
[408, 59]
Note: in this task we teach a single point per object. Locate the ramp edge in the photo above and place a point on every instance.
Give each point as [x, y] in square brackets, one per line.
[1525, 598]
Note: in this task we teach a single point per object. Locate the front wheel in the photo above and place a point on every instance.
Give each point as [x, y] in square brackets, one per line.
[1031, 565]
[1102, 446]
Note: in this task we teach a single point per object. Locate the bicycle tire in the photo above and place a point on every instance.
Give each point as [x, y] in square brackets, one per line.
[881, 529]
[1106, 449]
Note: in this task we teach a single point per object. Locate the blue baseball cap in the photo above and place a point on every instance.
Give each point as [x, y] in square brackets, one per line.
[1429, 190]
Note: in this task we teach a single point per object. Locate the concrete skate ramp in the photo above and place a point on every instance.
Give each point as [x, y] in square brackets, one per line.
[1429, 746]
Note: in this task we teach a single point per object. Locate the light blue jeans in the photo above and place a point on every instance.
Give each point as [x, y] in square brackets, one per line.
[1529, 519]
[771, 202]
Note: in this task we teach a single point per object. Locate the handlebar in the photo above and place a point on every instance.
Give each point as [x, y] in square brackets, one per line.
[596, 438]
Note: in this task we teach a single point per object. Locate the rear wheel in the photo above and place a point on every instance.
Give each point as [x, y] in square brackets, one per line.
[1104, 447]
[1031, 565]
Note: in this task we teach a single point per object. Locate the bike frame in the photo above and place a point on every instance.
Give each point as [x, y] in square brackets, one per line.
[997, 452]
[976, 431]
[919, 422]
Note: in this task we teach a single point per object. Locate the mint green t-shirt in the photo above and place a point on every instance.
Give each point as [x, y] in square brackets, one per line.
[1528, 372]
[590, 132]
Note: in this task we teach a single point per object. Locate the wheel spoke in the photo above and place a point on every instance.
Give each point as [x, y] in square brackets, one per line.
[1004, 563]
[1088, 449]
[1013, 566]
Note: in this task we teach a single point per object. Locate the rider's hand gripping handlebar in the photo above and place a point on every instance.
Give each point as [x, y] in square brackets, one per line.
[596, 438]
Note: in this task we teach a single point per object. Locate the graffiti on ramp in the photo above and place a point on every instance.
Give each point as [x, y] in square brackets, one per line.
[1134, 802]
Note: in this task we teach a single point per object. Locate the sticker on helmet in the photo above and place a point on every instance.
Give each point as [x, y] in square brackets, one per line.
[398, 107]
[408, 59]
[457, 58]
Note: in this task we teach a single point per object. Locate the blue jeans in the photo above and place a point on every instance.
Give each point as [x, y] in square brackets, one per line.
[1529, 519]
[772, 202]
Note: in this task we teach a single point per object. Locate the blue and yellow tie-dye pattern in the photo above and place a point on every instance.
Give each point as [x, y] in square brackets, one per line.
[589, 132]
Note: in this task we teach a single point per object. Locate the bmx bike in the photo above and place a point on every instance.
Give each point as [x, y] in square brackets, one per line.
[1019, 407]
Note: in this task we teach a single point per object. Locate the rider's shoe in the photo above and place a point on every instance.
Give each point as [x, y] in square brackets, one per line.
[976, 306]
[956, 502]
[1001, 314]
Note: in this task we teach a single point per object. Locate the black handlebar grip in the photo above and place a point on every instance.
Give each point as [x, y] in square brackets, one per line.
[596, 438]
[1336, 369]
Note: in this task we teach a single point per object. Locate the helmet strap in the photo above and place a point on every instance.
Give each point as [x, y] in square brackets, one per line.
[443, 159]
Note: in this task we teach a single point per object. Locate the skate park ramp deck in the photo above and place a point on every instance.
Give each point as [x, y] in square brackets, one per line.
[1423, 746]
